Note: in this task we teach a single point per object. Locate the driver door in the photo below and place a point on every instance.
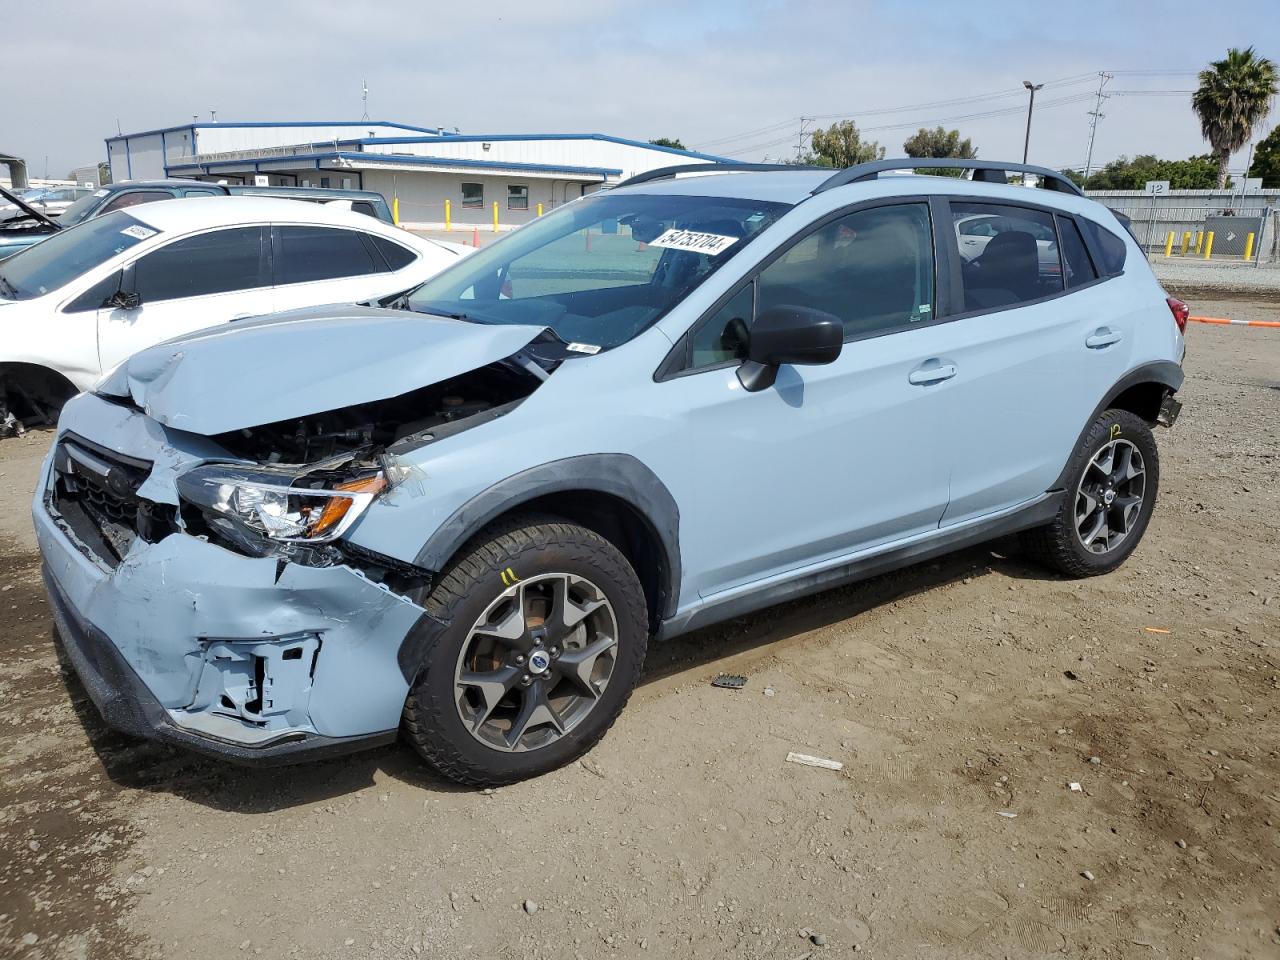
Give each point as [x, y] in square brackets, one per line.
[831, 459]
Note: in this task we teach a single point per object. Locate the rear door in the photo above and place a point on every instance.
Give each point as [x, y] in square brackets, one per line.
[1038, 343]
[190, 283]
[316, 265]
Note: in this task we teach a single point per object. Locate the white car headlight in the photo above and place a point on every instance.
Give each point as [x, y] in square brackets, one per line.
[270, 506]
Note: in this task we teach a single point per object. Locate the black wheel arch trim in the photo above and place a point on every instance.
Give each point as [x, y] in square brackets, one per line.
[1164, 372]
[616, 474]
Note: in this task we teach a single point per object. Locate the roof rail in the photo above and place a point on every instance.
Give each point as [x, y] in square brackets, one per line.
[1052, 179]
[662, 173]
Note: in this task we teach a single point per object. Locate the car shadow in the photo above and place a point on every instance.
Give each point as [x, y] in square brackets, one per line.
[159, 768]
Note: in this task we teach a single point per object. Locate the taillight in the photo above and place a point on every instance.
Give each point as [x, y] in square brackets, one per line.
[1180, 312]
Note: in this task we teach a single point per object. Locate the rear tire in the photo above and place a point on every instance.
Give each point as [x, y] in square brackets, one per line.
[1111, 491]
[545, 637]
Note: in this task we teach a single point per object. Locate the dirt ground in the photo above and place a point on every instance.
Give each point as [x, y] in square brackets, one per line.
[963, 697]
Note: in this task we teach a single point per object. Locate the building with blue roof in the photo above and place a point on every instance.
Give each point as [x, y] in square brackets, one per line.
[430, 173]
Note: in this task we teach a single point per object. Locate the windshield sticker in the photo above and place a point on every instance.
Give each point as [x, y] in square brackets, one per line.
[138, 232]
[711, 244]
[583, 348]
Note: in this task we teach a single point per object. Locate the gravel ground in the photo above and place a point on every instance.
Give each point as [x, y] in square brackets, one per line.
[1218, 278]
[962, 696]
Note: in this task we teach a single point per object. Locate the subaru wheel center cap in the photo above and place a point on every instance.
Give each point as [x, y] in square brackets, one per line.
[1109, 496]
[539, 660]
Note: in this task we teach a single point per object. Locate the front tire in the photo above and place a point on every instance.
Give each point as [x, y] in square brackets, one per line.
[1110, 494]
[545, 637]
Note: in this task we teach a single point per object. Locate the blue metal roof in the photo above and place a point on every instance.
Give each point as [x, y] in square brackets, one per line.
[506, 137]
[315, 159]
[282, 123]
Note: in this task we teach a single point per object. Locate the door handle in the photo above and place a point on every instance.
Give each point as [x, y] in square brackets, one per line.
[1102, 337]
[931, 371]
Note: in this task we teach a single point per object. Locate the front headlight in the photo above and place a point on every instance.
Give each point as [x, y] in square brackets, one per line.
[278, 506]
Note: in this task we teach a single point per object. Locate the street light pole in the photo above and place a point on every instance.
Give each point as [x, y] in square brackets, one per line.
[1026, 144]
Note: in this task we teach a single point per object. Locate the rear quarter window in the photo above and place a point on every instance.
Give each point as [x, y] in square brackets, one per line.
[1111, 248]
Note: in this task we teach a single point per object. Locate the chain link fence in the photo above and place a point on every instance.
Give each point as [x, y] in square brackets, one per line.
[1202, 224]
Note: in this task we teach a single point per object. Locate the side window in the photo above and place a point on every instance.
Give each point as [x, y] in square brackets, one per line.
[873, 269]
[473, 195]
[200, 193]
[1017, 264]
[397, 257]
[723, 336]
[132, 198]
[215, 262]
[306, 254]
[1075, 255]
[96, 296]
[365, 207]
[1110, 246]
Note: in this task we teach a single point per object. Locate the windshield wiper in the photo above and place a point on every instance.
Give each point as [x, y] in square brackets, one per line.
[8, 289]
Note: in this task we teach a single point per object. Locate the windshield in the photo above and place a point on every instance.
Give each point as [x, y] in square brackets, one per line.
[67, 254]
[600, 270]
[81, 209]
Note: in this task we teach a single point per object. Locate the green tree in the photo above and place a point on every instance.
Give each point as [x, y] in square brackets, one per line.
[1266, 160]
[104, 172]
[939, 144]
[668, 142]
[1194, 173]
[841, 145]
[1234, 94]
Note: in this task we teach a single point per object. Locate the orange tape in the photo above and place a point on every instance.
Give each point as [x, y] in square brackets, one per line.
[1237, 323]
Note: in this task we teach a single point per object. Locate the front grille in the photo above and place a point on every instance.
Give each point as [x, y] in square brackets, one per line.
[95, 491]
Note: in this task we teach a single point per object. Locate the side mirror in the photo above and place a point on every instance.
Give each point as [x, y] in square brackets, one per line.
[124, 301]
[787, 334]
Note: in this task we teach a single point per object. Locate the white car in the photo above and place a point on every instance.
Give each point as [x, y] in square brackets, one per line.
[51, 201]
[76, 304]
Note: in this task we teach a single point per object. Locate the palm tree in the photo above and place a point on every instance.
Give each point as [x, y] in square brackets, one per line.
[1233, 95]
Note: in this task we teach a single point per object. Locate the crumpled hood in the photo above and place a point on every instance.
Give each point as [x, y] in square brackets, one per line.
[292, 364]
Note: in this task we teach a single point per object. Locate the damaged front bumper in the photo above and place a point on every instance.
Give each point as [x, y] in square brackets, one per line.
[253, 659]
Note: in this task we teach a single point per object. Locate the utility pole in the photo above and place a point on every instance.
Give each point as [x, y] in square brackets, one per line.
[1031, 104]
[800, 137]
[1095, 115]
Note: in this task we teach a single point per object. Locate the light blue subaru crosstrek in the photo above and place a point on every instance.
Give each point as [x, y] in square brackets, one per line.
[464, 513]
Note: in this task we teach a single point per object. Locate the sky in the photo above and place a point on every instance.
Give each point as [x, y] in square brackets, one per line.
[731, 78]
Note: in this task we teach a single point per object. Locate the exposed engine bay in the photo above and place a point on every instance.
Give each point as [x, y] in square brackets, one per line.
[397, 424]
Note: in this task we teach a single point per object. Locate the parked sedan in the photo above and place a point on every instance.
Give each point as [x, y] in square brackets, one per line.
[53, 201]
[31, 223]
[81, 301]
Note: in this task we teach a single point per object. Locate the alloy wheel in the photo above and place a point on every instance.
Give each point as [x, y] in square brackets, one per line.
[1109, 497]
[536, 662]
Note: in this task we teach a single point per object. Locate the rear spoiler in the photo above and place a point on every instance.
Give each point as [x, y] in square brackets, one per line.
[31, 212]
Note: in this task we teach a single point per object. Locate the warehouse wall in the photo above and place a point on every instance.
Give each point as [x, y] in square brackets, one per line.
[422, 196]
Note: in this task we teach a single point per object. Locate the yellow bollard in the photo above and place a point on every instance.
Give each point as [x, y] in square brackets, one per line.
[495, 216]
[539, 209]
[1168, 245]
[1199, 241]
[1186, 242]
[395, 210]
[448, 217]
[1208, 244]
[1248, 247]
